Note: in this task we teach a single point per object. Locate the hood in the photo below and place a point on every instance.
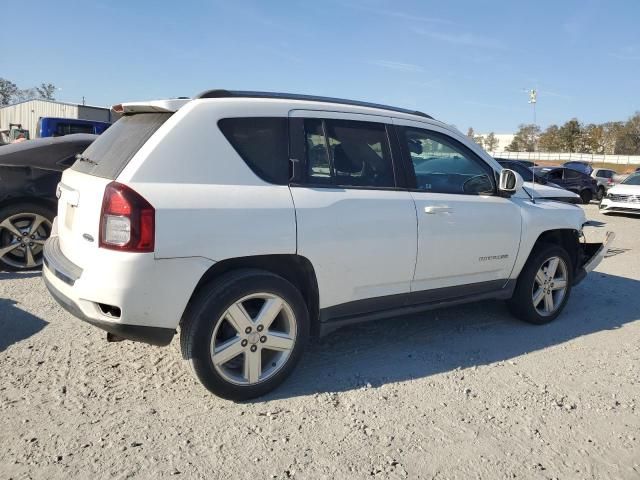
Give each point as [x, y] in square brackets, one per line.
[547, 191]
[625, 190]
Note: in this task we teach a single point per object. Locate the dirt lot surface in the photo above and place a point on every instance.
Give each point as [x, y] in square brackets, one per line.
[465, 393]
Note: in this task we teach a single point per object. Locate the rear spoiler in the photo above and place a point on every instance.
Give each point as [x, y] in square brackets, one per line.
[154, 106]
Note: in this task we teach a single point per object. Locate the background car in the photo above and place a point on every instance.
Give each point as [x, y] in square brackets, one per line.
[624, 197]
[583, 167]
[605, 178]
[524, 169]
[29, 174]
[546, 189]
[573, 180]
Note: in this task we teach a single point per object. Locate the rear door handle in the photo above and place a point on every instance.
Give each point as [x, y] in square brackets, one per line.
[436, 209]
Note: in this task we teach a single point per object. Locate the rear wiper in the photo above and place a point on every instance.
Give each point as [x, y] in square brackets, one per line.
[81, 158]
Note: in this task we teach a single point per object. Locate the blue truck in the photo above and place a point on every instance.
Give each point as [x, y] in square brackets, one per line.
[58, 127]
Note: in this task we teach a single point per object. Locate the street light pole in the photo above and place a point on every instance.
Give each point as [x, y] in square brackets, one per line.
[533, 99]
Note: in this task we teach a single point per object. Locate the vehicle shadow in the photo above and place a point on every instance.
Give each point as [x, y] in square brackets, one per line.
[438, 341]
[7, 275]
[16, 324]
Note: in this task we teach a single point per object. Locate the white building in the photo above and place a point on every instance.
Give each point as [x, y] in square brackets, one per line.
[504, 139]
[28, 112]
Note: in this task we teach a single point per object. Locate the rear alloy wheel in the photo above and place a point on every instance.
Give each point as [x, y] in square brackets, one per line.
[253, 339]
[544, 285]
[586, 196]
[244, 333]
[23, 232]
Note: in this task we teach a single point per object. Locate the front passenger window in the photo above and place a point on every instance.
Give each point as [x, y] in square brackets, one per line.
[443, 166]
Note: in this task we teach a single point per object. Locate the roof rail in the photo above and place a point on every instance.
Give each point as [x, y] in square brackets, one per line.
[221, 93]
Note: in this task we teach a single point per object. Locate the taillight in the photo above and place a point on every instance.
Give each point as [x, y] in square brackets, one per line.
[610, 181]
[127, 221]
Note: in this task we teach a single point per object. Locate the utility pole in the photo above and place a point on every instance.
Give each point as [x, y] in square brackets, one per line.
[533, 99]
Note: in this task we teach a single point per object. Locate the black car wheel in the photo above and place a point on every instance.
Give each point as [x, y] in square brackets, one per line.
[600, 192]
[24, 228]
[586, 196]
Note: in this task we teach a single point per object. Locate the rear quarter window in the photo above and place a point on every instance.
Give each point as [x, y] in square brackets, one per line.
[263, 143]
[112, 151]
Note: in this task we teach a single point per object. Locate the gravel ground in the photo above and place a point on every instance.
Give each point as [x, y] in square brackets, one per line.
[465, 392]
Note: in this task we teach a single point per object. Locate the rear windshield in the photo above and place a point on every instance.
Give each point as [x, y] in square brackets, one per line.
[111, 152]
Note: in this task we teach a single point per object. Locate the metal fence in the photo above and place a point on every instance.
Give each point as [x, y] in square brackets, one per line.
[565, 157]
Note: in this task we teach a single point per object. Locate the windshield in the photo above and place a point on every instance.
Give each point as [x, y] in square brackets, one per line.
[523, 170]
[633, 179]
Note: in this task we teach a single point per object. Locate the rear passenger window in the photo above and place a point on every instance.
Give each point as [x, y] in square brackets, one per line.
[572, 174]
[441, 165]
[348, 153]
[263, 143]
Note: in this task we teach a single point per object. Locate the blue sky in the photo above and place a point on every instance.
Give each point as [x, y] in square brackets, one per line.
[465, 62]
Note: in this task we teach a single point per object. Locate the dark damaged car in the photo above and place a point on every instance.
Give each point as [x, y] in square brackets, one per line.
[29, 174]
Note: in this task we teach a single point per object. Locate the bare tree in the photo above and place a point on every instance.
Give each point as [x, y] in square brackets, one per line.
[46, 91]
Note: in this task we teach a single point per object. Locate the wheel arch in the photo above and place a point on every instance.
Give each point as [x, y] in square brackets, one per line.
[42, 201]
[296, 269]
[567, 238]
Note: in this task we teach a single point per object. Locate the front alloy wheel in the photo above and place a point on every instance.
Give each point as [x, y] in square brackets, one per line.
[544, 285]
[550, 286]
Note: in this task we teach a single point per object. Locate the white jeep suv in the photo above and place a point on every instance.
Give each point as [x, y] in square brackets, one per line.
[251, 221]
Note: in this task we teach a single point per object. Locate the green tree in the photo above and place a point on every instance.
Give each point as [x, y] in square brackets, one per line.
[612, 131]
[593, 139]
[476, 138]
[628, 141]
[525, 139]
[491, 142]
[550, 140]
[8, 91]
[570, 135]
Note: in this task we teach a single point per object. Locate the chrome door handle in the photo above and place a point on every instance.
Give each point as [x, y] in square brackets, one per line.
[433, 210]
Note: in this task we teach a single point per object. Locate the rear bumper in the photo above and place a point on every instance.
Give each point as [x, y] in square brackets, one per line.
[592, 255]
[138, 333]
[131, 295]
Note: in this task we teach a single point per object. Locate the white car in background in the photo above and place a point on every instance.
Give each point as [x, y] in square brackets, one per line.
[624, 197]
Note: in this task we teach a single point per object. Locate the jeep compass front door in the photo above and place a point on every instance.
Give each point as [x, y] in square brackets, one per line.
[467, 235]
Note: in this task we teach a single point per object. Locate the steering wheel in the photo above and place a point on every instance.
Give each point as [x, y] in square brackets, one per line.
[477, 184]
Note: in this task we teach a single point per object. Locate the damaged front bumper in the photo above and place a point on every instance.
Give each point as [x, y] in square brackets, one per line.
[591, 256]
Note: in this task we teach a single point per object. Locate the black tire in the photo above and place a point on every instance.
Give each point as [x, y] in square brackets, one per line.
[586, 196]
[601, 193]
[521, 303]
[11, 261]
[204, 313]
